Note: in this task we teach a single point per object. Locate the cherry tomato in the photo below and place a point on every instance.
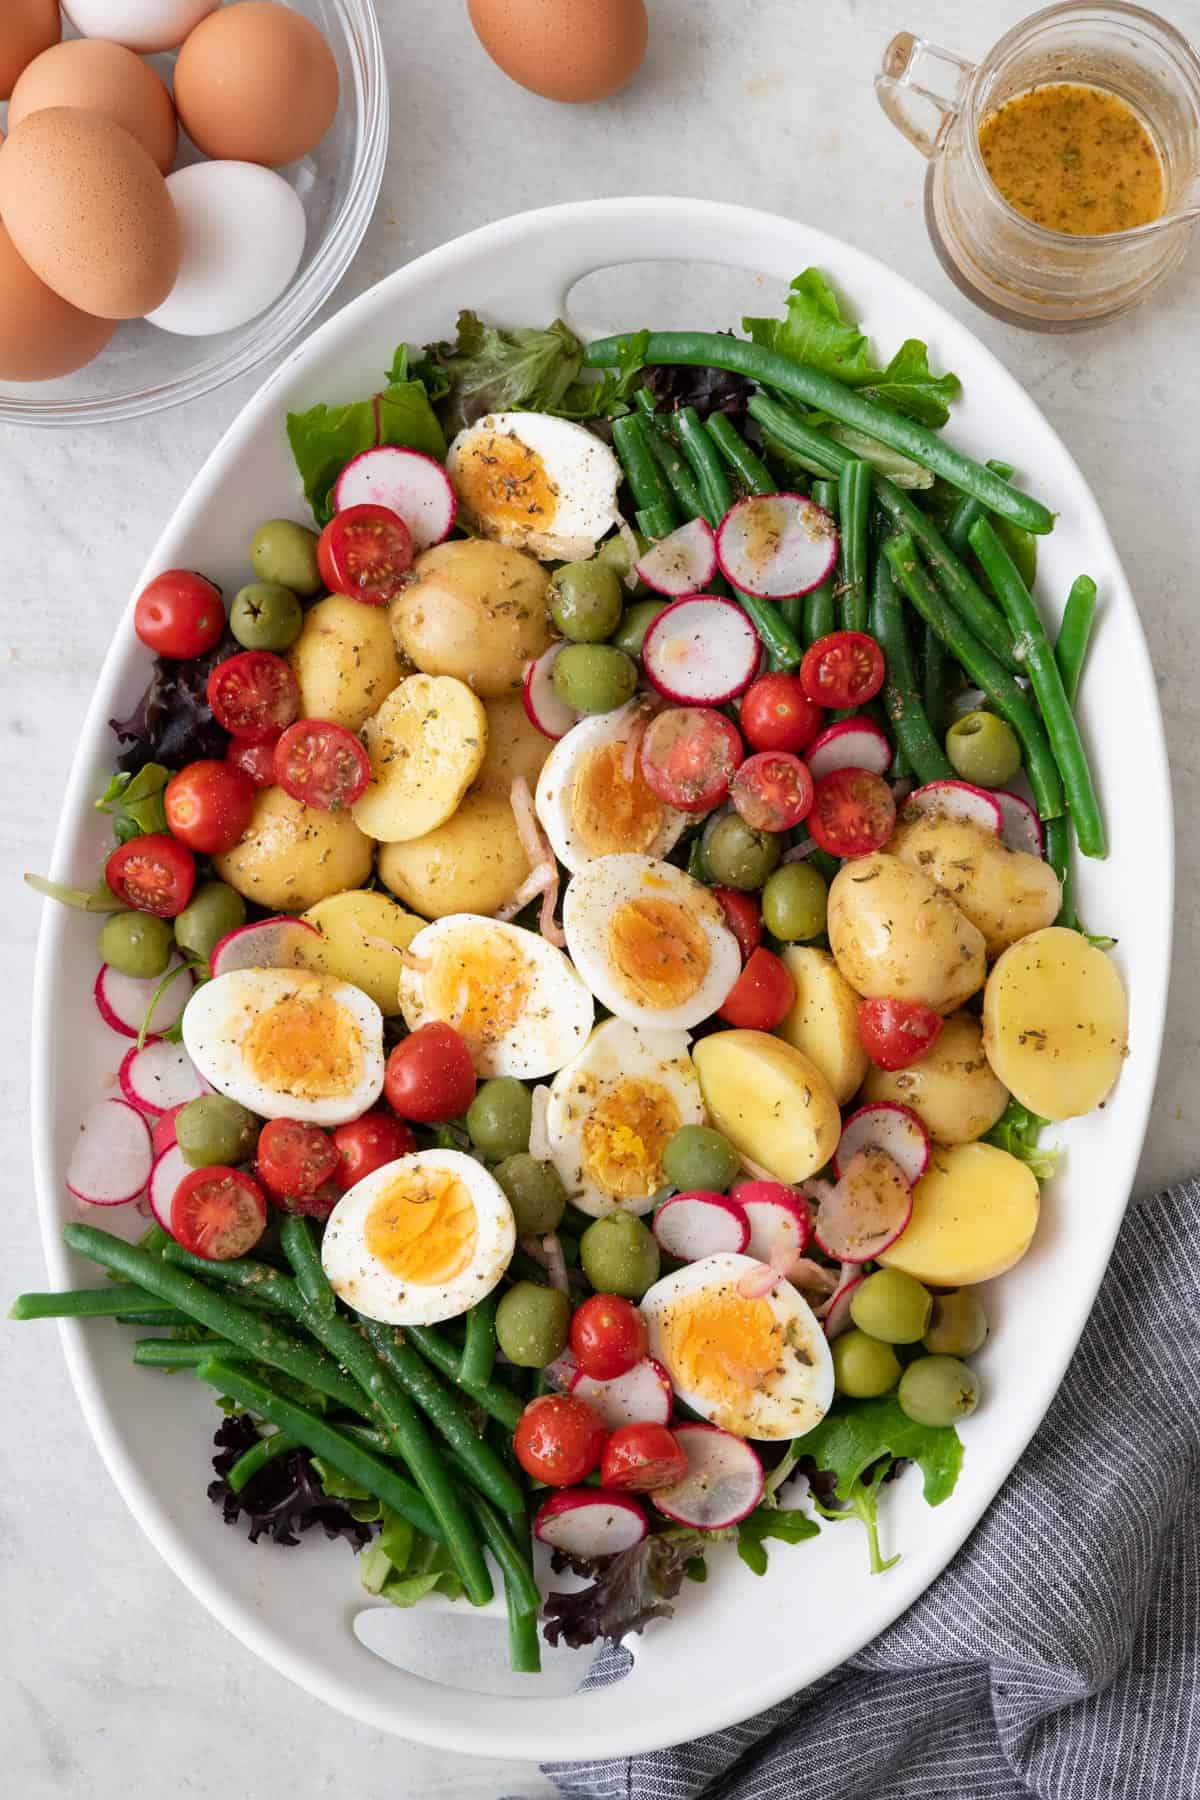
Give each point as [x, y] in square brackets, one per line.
[311, 1206]
[295, 1157]
[253, 695]
[844, 669]
[255, 760]
[208, 805]
[608, 1336]
[761, 995]
[559, 1439]
[322, 764]
[365, 1144]
[772, 791]
[688, 755]
[218, 1213]
[179, 614]
[853, 812]
[365, 552]
[154, 874]
[777, 714]
[895, 1033]
[430, 1076]
[641, 1457]
[743, 915]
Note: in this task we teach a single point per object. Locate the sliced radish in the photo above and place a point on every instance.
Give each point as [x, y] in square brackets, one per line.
[590, 1522]
[110, 1164]
[408, 483]
[867, 1210]
[885, 1125]
[850, 744]
[1021, 829]
[693, 1225]
[123, 1000]
[169, 1170]
[780, 1222]
[643, 1395]
[279, 943]
[682, 563]
[777, 545]
[837, 1316]
[162, 1129]
[543, 708]
[160, 1076]
[701, 651]
[956, 800]
[724, 1481]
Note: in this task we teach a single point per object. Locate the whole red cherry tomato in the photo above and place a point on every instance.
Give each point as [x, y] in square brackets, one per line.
[179, 614]
[641, 1457]
[761, 996]
[608, 1336]
[559, 1439]
[777, 714]
[208, 806]
[254, 760]
[366, 1144]
[430, 1076]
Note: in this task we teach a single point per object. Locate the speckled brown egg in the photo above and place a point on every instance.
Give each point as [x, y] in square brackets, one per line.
[104, 78]
[256, 83]
[41, 335]
[27, 27]
[577, 50]
[89, 212]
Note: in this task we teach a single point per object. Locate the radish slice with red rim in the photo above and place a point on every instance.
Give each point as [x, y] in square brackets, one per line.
[837, 1316]
[723, 1483]
[643, 1395]
[279, 943]
[885, 1125]
[162, 1130]
[780, 1222]
[543, 708]
[777, 545]
[124, 1000]
[956, 800]
[849, 744]
[689, 1226]
[159, 1077]
[701, 652]
[683, 562]
[110, 1163]
[867, 1210]
[408, 483]
[589, 1522]
[169, 1169]
[1020, 829]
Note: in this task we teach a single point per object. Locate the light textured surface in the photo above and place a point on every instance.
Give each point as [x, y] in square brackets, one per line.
[112, 1679]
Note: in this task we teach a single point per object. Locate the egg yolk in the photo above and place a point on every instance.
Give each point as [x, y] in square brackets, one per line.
[658, 950]
[624, 1136]
[306, 1045]
[721, 1345]
[504, 482]
[609, 811]
[480, 986]
[423, 1228]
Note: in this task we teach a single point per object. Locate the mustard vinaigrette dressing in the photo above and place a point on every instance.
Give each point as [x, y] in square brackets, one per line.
[1075, 159]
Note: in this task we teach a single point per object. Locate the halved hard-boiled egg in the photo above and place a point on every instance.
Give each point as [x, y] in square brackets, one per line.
[651, 942]
[613, 1111]
[515, 998]
[288, 1043]
[758, 1366]
[536, 483]
[591, 798]
[419, 1240]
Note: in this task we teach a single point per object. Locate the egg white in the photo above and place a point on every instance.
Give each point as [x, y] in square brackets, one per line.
[556, 800]
[582, 473]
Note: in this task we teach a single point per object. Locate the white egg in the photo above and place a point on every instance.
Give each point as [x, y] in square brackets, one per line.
[651, 942]
[536, 483]
[591, 798]
[141, 25]
[419, 1240]
[287, 1043]
[758, 1367]
[516, 998]
[612, 1112]
[242, 231]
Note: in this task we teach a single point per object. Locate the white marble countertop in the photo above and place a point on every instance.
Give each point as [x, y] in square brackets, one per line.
[113, 1681]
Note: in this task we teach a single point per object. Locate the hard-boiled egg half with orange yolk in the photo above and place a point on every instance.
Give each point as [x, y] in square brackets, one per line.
[591, 798]
[536, 483]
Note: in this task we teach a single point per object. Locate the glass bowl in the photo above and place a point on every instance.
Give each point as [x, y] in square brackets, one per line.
[144, 370]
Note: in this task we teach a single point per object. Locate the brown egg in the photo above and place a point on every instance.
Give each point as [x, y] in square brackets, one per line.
[27, 27]
[104, 78]
[88, 210]
[41, 335]
[256, 83]
[564, 49]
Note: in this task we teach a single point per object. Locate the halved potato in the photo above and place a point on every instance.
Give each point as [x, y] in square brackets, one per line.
[771, 1101]
[975, 1211]
[1006, 893]
[951, 1088]
[363, 939]
[474, 863]
[1056, 1023]
[823, 1020]
[292, 855]
[345, 661]
[896, 935]
[426, 744]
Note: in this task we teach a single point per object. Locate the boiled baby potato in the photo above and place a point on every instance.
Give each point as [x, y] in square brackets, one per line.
[475, 610]
[975, 1211]
[771, 1101]
[515, 747]
[363, 939]
[1005, 893]
[951, 1088]
[473, 863]
[1056, 1023]
[823, 1020]
[426, 744]
[345, 661]
[895, 935]
[292, 855]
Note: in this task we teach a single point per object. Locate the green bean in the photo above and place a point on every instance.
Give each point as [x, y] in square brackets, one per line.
[498, 1402]
[479, 1347]
[254, 1460]
[1074, 632]
[958, 526]
[1047, 684]
[983, 669]
[157, 1318]
[901, 697]
[1058, 855]
[800, 381]
[740, 457]
[171, 1353]
[647, 484]
[297, 1244]
[818, 613]
[854, 511]
[671, 461]
[85, 1303]
[513, 1566]
[935, 672]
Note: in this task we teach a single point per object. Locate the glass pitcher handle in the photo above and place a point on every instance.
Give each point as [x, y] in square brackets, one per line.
[921, 89]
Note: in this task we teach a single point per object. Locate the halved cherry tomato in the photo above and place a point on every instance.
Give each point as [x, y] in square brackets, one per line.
[179, 614]
[322, 764]
[853, 813]
[761, 995]
[772, 791]
[743, 915]
[430, 1076]
[844, 669]
[295, 1157]
[366, 1144]
[608, 1336]
[895, 1033]
[777, 714]
[208, 805]
[218, 1213]
[253, 695]
[255, 760]
[688, 756]
[641, 1457]
[154, 874]
[365, 552]
[558, 1439]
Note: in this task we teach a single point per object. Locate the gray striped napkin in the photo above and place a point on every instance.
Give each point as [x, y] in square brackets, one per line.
[1059, 1654]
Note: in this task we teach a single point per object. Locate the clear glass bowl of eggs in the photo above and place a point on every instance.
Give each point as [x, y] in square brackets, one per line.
[182, 185]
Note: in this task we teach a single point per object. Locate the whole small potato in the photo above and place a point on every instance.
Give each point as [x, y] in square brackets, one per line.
[345, 661]
[473, 863]
[951, 1088]
[895, 935]
[515, 747]
[1006, 893]
[475, 610]
[293, 855]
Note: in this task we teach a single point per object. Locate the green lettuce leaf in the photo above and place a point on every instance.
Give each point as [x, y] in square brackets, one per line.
[487, 369]
[1017, 1130]
[770, 1521]
[135, 802]
[324, 438]
[402, 1565]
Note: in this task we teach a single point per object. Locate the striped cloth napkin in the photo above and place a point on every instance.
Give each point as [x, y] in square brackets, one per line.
[1059, 1654]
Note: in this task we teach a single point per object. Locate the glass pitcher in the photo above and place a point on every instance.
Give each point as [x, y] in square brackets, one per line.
[1014, 268]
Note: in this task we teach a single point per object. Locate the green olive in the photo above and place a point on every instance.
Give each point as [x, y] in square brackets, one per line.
[619, 1256]
[863, 1368]
[136, 943]
[531, 1324]
[794, 901]
[984, 749]
[499, 1118]
[636, 621]
[535, 1193]
[697, 1158]
[891, 1306]
[213, 910]
[938, 1390]
[958, 1325]
[585, 601]
[214, 1129]
[266, 616]
[736, 855]
[594, 678]
[285, 552]
[616, 552]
